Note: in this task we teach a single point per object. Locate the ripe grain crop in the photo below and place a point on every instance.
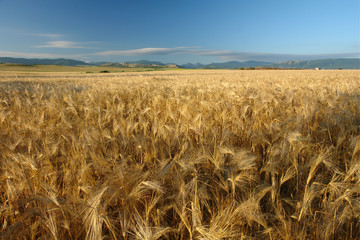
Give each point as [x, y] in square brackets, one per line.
[180, 155]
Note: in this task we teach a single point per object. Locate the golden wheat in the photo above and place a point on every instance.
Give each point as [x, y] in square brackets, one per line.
[180, 155]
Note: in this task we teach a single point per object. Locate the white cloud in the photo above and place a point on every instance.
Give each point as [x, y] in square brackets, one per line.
[49, 35]
[61, 44]
[58, 42]
[143, 51]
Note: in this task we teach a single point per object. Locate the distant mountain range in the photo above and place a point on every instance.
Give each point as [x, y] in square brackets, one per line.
[227, 65]
[142, 63]
[343, 63]
[33, 61]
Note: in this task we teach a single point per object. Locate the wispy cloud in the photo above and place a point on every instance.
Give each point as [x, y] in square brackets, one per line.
[61, 44]
[225, 55]
[145, 51]
[49, 35]
[66, 44]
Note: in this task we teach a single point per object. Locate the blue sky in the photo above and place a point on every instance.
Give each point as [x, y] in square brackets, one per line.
[180, 31]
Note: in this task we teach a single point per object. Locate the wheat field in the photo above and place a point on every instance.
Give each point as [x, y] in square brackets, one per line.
[212, 154]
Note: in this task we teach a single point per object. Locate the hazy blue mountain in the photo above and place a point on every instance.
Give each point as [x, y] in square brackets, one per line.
[236, 64]
[98, 63]
[192, 65]
[32, 61]
[344, 63]
[146, 62]
[140, 64]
